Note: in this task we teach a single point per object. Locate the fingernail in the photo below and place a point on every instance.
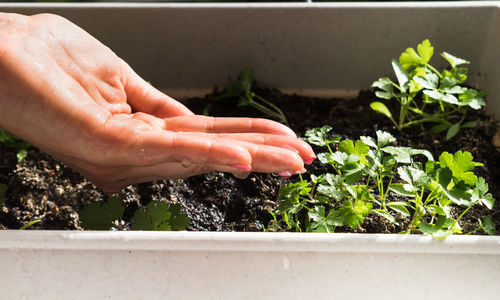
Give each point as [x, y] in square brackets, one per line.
[301, 171]
[285, 174]
[242, 167]
[308, 160]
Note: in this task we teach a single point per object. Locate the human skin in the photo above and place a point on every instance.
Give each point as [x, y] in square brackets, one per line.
[71, 96]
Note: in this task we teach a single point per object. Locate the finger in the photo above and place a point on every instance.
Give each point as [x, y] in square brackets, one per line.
[143, 97]
[300, 147]
[270, 159]
[200, 123]
[159, 146]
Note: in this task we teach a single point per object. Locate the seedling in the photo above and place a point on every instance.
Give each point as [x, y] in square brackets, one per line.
[101, 217]
[368, 173]
[12, 141]
[426, 95]
[157, 216]
[160, 216]
[242, 90]
[29, 224]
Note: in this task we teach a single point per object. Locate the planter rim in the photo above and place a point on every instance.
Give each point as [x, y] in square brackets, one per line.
[246, 241]
[272, 5]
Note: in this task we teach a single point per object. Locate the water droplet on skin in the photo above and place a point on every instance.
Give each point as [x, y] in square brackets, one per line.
[186, 163]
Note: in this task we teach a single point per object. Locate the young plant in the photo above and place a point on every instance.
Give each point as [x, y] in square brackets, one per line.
[101, 217]
[367, 173]
[12, 141]
[242, 90]
[157, 216]
[426, 95]
[160, 216]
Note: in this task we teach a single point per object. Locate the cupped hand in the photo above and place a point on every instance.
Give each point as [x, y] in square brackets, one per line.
[71, 96]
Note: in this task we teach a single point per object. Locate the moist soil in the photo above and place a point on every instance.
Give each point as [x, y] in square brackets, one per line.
[42, 188]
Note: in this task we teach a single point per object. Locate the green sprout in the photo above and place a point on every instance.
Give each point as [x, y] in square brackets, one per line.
[12, 141]
[242, 90]
[426, 95]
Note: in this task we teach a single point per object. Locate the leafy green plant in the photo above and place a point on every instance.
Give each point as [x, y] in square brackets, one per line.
[160, 216]
[368, 173]
[12, 141]
[101, 217]
[426, 95]
[242, 90]
[157, 216]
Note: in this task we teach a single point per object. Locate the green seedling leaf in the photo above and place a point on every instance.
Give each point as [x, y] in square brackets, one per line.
[452, 131]
[21, 155]
[332, 191]
[318, 136]
[480, 194]
[384, 138]
[427, 84]
[440, 127]
[29, 224]
[387, 87]
[381, 108]
[400, 207]
[487, 226]
[321, 223]
[425, 51]
[470, 124]
[453, 60]
[290, 195]
[385, 215]
[100, 217]
[401, 75]
[160, 216]
[359, 148]
[460, 164]
[354, 214]
[435, 209]
[410, 58]
[458, 193]
[402, 189]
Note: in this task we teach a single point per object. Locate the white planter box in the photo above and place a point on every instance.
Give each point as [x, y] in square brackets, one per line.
[320, 49]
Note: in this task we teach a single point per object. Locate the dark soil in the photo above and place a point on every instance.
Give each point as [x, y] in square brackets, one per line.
[42, 188]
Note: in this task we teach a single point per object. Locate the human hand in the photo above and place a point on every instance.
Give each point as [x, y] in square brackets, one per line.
[72, 97]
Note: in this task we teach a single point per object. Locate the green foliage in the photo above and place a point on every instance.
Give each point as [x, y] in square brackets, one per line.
[426, 95]
[157, 216]
[12, 141]
[101, 217]
[160, 216]
[370, 170]
[29, 224]
[242, 90]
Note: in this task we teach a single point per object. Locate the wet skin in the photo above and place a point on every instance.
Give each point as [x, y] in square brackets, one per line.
[72, 97]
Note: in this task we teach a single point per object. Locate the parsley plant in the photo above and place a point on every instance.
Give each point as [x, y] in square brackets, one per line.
[157, 216]
[242, 90]
[426, 95]
[366, 172]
